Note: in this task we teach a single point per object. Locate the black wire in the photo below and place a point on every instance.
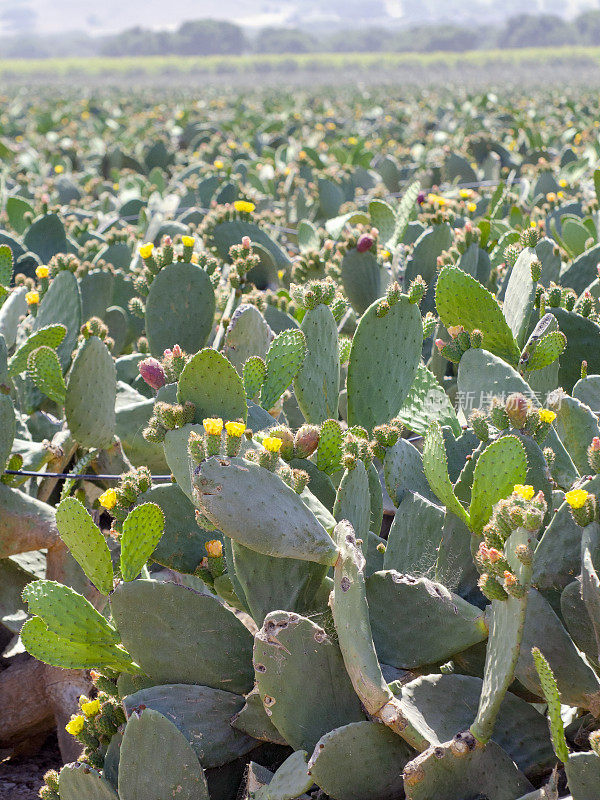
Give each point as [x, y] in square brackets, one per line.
[32, 474]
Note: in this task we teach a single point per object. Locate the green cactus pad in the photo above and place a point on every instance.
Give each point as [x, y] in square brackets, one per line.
[519, 297]
[284, 360]
[180, 308]
[506, 625]
[317, 383]
[363, 279]
[435, 467]
[181, 547]
[91, 395]
[547, 350]
[253, 720]
[558, 554]
[576, 425]
[142, 531]
[405, 209]
[79, 781]
[86, 543]
[427, 401]
[583, 775]
[384, 358]
[247, 335]
[178, 458]
[44, 370]
[403, 472]
[414, 536]
[287, 584]
[448, 703]
[550, 689]
[257, 509]
[8, 429]
[577, 682]
[353, 627]
[502, 464]
[61, 305]
[383, 218]
[51, 336]
[462, 300]
[254, 373]
[423, 259]
[353, 500]
[203, 716]
[403, 612]
[46, 237]
[215, 651]
[6, 265]
[329, 450]
[461, 768]
[290, 653]
[590, 582]
[68, 614]
[150, 742]
[290, 780]
[582, 336]
[46, 646]
[482, 376]
[96, 289]
[576, 619]
[375, 775]
[231, 232]
[587, 390]
[210, 382]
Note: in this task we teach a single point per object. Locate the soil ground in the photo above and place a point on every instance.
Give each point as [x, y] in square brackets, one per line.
[21, 778]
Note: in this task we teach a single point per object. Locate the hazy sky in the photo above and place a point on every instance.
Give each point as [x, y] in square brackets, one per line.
[49, 16]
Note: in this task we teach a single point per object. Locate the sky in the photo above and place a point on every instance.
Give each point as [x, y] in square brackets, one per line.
[111, 16]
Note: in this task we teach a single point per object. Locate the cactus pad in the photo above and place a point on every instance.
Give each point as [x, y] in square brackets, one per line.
[86, 543]
[141, 533]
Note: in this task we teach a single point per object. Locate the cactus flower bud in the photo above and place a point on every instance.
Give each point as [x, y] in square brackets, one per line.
[246, 242]
[306, 441]
[593, 455]
[152, 372]
[536, 269]
[476, 338]
[517, 407]
[365, 242]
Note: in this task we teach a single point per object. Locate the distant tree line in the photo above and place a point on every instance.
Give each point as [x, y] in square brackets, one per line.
[212, 37]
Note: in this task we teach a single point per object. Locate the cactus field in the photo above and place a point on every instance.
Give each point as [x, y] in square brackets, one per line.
[300, 441]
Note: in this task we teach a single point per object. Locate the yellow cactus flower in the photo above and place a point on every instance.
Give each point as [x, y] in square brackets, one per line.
[32, 298]
[213, 425]
[466, 193]
[75, 725]
[108, 499]
[352, 140]
[218, 164]
[244, 206]
[116, 186]
[471, 207]
[438, 199]
[85, 115]
[91, 708]
[188, 241]
[281, 274]
[562, 183]
[576, 498]
[272, 444]
[551, 197]
[42, 272]
[59, 168]
[214, 548]
[526, 492]
[533, 224]
[547, 416]
[386, 255]
[235, 428]
[146, 250]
